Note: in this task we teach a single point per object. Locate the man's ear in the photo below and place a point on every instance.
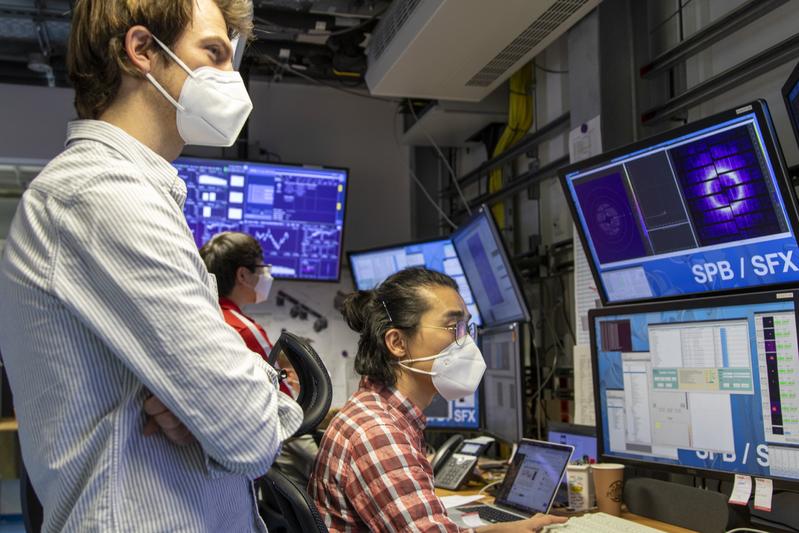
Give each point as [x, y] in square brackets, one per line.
[140, 48]
[396, 343]
[241, 275]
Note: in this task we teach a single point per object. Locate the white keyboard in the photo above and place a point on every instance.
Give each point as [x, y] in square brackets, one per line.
[599, 523]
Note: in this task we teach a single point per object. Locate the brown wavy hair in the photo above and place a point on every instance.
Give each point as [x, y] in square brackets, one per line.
[96, 58]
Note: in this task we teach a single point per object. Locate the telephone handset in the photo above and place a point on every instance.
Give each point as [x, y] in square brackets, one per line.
[454, 461]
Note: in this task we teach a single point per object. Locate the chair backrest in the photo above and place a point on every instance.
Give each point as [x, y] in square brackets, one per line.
[316, 390]
[297, 511]
[32, 512]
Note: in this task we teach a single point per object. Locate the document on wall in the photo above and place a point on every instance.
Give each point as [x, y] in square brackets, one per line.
[584, 141]
[586, 294]
[584, 413]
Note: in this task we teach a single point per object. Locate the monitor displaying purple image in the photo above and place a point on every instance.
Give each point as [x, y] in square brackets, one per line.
[705, 208]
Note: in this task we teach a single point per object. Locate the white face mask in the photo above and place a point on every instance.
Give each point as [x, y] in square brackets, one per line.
[213, 104]
[263, 287]
[456, 371]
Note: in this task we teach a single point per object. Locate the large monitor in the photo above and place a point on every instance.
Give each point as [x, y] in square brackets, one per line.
[790, 93]
[490, 273]
[370, 267]
[705, 208]
[708, 386]
[296, 213]
[503, 384]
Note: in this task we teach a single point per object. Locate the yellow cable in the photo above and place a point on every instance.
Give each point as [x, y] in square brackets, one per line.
[520, 118]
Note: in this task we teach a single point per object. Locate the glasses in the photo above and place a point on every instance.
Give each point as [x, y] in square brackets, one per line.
[460, 330]
[261, 269]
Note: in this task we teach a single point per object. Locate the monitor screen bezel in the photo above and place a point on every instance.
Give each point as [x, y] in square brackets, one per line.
[793, 81]
[483, 211]
[300, 166]
[655, 307]
[773, 151]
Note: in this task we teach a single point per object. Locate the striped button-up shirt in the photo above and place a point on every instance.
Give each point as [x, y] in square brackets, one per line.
[371, 473]
[105, 299]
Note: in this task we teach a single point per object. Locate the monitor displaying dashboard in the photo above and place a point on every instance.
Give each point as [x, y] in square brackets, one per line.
[705, 208]
[709, 385]
[488, 269]
[371, 267]
[296, 213]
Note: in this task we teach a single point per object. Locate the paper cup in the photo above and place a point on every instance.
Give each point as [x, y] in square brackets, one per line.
[608, 485]
[581, 490]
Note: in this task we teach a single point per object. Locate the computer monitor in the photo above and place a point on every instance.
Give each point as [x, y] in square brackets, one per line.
[503, 384]
[708, 386]
[371, 267]
[296, 213]
[583, 438]
[704, 208]
[489, 271]
[790, 93]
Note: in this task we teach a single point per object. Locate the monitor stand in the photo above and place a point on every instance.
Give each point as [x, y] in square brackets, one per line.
[682, 505]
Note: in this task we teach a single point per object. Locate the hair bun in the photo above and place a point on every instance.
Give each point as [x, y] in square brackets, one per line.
[355, 309]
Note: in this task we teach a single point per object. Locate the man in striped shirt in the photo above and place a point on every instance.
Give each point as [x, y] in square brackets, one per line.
[371, 473]
[108, 312]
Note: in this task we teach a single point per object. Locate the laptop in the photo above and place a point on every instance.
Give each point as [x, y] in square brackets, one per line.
[529, 486]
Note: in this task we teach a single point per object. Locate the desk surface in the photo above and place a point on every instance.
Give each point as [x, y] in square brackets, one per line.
[627, 516]
[8, 424]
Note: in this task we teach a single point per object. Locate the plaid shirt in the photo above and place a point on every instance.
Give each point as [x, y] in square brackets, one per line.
[371, 473]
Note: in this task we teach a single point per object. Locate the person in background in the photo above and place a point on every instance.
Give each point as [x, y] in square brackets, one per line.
[416, 341]
[236, 260]
[139, 409]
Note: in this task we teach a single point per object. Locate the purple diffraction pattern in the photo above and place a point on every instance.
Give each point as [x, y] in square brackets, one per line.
[725, 188]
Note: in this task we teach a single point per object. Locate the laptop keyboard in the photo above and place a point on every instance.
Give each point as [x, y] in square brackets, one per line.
[490, 514]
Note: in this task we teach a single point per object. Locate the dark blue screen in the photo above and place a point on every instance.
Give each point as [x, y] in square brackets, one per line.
[295, 213]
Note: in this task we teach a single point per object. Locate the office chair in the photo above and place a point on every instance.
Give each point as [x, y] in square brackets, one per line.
[284, 505]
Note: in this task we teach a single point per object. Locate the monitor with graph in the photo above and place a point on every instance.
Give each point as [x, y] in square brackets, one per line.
[708, 386]
[705, 208]
[296, 213]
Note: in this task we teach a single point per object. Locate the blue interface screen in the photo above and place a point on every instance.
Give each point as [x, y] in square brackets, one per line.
[295, 213]
[715, 388]
[486, 266]
[370, 268]
[698, 213]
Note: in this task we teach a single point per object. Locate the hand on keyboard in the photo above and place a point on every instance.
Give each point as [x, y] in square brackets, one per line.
[531, 524]
[599, 523]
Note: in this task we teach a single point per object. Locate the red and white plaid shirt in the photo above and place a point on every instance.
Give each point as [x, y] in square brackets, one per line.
[371, 473]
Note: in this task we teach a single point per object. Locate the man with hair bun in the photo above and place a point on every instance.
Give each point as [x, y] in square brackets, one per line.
[416, 341]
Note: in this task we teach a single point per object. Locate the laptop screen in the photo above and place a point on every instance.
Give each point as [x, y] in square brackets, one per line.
[534, 476]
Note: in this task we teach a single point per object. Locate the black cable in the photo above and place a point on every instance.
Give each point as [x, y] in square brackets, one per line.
[549, 70]
[304, 76]
[300, 31]
[664, 21]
